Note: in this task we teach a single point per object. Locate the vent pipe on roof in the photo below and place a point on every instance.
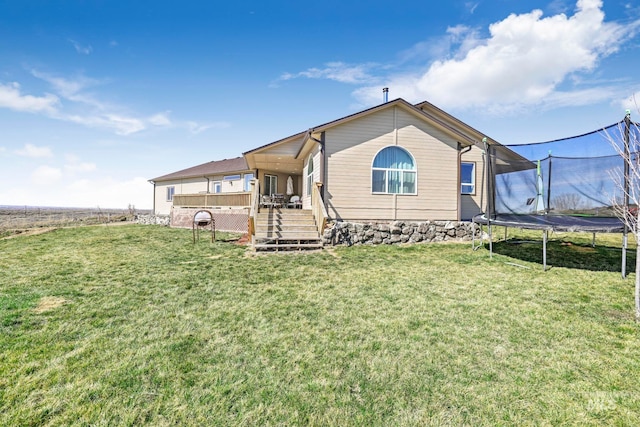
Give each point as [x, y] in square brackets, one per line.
[385, 94]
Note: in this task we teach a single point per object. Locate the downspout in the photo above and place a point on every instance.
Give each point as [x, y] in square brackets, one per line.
[208, 182]
[154, 196]
[460, 153]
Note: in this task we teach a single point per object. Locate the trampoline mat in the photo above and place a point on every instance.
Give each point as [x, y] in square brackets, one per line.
[590, 224]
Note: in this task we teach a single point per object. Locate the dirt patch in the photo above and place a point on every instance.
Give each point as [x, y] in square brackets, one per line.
[244, 240]
[49, 303]
[28, 232]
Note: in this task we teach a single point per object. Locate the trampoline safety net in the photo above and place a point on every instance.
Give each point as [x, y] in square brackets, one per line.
[577, 176]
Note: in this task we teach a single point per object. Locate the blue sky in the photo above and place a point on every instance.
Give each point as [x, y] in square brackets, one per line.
[97, 97]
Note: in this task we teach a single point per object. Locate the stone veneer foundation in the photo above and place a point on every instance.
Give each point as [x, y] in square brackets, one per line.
[372, 233]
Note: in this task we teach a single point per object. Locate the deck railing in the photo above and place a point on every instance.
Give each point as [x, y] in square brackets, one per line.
[317, 208]
[204, 200]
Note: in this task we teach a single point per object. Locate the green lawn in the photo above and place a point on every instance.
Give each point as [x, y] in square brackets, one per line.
[136, 325]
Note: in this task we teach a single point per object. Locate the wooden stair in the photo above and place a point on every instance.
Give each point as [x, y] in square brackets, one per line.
[280, 229]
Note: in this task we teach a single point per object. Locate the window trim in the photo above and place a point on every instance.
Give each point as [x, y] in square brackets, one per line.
[214, 185]
[401, 171]
[236, 177]
[171, 191]
[309, 174]
[473, 180]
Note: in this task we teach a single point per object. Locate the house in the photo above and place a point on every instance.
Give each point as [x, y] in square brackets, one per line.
[395, 161]
[228, 177]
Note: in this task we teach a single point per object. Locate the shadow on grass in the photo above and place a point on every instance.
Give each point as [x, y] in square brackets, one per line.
[566, 254]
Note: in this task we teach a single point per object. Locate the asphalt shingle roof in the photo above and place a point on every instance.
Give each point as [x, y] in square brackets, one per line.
[238, 164]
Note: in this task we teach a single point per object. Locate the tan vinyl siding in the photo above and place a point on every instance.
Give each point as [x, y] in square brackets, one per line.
[474, 204]
[351, 148]
[193, 186]
[182, 186]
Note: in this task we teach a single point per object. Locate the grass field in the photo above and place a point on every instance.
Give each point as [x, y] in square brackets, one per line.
[136, 325]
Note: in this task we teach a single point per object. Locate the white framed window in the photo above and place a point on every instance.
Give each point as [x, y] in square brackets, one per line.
[217, 186]
[393, 172]
[231, 177]
[309, 174]
[248, 177]
[270, 184]
[170, 192]
[467, 178]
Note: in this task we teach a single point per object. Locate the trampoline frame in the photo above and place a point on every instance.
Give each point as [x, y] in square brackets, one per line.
[550, 222]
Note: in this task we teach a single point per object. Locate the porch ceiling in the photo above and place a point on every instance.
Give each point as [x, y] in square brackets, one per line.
[278, 163]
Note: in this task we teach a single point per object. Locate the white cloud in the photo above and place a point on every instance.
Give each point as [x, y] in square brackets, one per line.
[632, 103]
[74, 165]
[104, 192]
[195, 128]
[73, 89]
[10, 97]
[83, 50]
[525, 61]
[46, 175]
[119, 124]
[160, 119]
[337, 71]
[86, 109]
[31, 150]
[109, 193]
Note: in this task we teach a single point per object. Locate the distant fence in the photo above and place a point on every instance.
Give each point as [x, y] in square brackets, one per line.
[15, 217]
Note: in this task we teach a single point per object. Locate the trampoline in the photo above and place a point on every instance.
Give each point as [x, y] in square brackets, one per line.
[576, 184]
[563, 223]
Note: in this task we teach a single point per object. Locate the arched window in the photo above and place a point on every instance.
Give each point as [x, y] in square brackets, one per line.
[309, 174]
[393, 172]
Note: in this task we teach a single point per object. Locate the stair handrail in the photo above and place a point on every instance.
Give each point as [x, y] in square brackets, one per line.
[318, 209]
[255, 206]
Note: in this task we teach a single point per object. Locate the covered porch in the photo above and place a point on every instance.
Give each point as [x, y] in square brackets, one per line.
[282, 168]
[287, 171]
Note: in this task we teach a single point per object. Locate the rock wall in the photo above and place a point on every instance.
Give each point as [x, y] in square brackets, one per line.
[349, 233]
[153, 219]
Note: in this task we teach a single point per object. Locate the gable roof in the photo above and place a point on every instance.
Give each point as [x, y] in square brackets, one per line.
[237, 164]
[464, 133]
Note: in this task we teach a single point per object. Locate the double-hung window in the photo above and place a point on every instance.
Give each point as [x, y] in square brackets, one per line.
[248, 177]
[393, 172]
[467, 178]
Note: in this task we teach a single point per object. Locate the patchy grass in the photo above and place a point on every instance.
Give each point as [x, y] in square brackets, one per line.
[143, 327]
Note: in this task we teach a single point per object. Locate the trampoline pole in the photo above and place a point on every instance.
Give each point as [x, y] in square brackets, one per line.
[624, 256]
[544, 250]
[490, 241]
[627, 158]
